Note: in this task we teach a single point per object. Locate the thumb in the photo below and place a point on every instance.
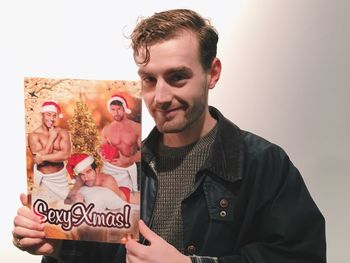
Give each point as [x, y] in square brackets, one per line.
[147, 232]
[24, 199]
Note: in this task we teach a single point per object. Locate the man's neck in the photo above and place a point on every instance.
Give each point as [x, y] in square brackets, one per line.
[122, 121]
[191, 134]
[44, 128]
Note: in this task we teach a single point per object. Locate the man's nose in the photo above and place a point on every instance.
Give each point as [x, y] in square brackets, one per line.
[163, 93]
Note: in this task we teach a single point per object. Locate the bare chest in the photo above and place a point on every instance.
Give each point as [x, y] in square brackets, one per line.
[119, 135]
[44, 139]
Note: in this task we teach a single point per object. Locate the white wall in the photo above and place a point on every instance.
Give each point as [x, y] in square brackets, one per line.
[285, 76]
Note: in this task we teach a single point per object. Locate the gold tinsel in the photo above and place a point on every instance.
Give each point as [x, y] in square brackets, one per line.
[83, 131]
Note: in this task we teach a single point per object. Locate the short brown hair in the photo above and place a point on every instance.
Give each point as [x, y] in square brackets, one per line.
[167, 24]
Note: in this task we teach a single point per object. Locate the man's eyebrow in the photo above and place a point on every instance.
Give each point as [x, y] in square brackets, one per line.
[142, 72]
[181, 69]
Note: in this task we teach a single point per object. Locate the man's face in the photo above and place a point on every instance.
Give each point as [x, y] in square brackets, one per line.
[117, 112]
[49, 118]
[174, 83]
[88, 176]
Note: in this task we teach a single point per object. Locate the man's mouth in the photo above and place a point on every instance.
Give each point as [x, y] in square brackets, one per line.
[168, 111]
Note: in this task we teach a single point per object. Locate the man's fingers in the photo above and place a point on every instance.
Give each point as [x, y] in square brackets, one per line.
[147, 232]
[27, 213]
[20, 232]
[26, 242]
[132, 259]
[24, 199]
[133, 247]
[136, 252]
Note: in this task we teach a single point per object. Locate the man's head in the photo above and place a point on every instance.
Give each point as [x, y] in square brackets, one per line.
[166, 25]
[118, 106]
[88, 175]
[84, 166]
[50, 110]
[176, 54]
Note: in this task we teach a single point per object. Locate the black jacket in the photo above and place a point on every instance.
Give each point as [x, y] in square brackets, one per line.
[249, 204]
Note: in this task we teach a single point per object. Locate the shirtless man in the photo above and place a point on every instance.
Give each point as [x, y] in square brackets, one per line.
[91, 185]
[50, 147]
[123, 136]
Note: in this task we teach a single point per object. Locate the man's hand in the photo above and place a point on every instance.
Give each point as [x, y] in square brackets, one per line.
[159, 251]
[28, 233]
[123, 161]
[38, 158]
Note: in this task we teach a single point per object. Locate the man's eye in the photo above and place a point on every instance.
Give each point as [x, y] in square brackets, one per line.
[177, 80]
[176, 77]
[148, 81]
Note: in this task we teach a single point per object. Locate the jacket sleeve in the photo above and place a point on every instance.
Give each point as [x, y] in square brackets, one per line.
[287, 226]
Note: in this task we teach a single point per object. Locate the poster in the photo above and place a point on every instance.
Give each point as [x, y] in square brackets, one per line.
[83, 140]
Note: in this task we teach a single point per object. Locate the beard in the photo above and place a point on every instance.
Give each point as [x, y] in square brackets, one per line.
[183, 117]
[118, 118]
[90, 183]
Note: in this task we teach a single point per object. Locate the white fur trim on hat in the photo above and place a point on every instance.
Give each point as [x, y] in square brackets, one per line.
[122, 100]
[83, 164]
[49, 108]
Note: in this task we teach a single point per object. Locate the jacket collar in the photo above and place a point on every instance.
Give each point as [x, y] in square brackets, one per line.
[226, 155]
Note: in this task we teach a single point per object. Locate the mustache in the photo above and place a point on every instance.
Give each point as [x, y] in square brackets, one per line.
[169, 105]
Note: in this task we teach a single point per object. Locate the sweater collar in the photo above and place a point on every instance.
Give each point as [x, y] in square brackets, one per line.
[226, 155]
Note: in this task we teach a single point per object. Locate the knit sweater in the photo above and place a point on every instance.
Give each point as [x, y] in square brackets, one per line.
[176, 171]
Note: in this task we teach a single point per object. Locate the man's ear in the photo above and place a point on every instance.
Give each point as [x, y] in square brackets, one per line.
[214, 73]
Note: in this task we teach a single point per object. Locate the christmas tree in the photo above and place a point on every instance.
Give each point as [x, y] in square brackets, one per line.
[84, 134]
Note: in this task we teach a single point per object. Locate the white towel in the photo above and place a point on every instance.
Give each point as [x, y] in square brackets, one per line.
[102, 197]
[125, 177]
[52, 187]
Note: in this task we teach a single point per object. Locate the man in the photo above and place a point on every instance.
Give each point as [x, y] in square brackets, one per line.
[91, 184]
[120, 146]
[83, 168]
[50, 147]
[233, 196]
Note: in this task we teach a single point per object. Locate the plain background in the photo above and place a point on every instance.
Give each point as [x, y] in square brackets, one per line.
[285, 77]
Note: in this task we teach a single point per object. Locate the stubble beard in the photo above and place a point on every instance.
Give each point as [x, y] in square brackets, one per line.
[188, 116]
[90, 183]
[118, 118]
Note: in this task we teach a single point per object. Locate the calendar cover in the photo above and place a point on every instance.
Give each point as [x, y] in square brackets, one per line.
[83, 149]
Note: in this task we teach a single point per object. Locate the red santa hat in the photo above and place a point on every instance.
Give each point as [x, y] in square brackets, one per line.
[51, 106]
[77, 162]
[117, 97]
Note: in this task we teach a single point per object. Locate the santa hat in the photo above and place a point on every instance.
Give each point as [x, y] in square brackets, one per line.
[121, 99]
[77, 162]
[51, 106]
